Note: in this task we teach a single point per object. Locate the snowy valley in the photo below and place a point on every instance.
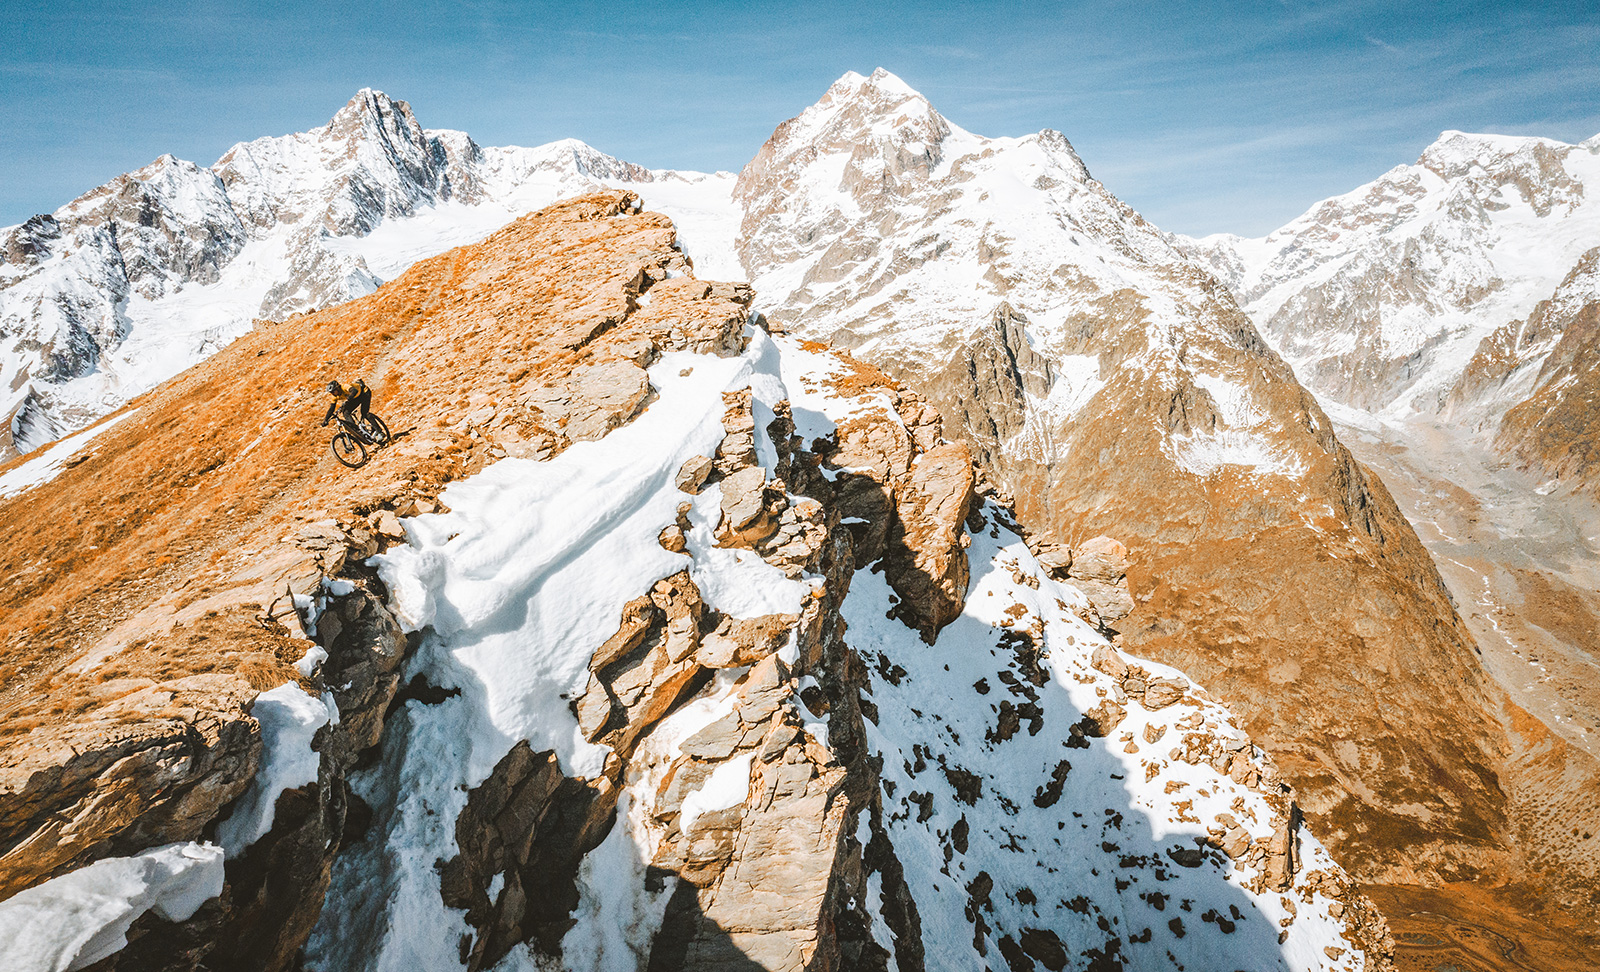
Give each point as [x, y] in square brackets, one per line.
[1446, 313]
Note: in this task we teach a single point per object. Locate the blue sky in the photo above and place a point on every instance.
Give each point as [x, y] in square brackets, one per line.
[1204, 116]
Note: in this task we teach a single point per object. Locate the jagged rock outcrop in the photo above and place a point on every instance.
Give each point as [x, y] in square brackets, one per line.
[1099, 568]
[154, 765]
[991, 381]
[932, 574]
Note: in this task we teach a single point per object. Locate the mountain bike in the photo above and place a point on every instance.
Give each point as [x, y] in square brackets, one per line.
[350, 444]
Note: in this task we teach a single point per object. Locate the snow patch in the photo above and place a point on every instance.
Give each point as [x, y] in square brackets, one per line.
[47, 464]
[1203, 454]
[728, 786]
[289, 721]
[514, 589]
[616, 917]
[81, 917]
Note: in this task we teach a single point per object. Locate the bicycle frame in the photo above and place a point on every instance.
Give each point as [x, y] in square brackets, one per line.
[349, 425]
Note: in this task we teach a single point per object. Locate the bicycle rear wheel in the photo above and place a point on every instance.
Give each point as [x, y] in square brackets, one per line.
[377, 432]
[349, 450]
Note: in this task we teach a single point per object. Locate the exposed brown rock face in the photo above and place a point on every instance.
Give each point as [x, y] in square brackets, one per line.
[1318, 663]
[531, 824]
[153, 765]
[1557, 428]
[932, 575]
[991, 380]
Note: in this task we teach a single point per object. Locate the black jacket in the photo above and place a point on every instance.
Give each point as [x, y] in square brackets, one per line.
[357, 398]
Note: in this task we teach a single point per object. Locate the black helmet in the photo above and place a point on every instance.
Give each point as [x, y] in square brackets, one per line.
[334, 389]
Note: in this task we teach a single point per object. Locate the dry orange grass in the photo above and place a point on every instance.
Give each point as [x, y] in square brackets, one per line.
[221, 464]
[861, 379]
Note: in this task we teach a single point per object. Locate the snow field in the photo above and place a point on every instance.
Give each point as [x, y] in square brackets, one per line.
[83, 916]
[935, 727]
[1097, 847]
[289, 719]
[49, 462]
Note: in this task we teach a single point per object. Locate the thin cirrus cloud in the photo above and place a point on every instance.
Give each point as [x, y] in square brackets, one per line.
[1206, 118]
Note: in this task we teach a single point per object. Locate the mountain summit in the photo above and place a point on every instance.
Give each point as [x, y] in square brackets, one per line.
[1380, 296]
[1112, 387]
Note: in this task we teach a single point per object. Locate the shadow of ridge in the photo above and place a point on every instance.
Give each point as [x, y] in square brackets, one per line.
[1069, 875]
[688, 939]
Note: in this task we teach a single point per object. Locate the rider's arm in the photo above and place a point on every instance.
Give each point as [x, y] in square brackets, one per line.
[331, 409]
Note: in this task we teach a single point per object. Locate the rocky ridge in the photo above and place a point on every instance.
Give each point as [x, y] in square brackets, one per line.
[748, 786]
[1007, 374]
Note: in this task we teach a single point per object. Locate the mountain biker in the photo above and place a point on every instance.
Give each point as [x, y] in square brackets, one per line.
[352, 404]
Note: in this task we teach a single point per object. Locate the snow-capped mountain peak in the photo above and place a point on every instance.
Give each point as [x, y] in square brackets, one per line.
[372, 161]
[1107, 383]
[1381, 295]
[859, 116]
[144, 276]
[372, 110]
[872, 185]
[880, 92]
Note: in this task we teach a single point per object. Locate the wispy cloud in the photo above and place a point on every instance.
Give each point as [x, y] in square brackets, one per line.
[87, 73]
[949, 51]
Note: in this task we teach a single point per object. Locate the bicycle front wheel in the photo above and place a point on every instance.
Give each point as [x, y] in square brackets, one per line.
[349, 450]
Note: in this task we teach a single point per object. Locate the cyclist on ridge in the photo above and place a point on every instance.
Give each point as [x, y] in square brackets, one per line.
[352, 404]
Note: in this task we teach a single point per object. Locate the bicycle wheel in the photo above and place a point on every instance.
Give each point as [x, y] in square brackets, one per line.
[377, 432]
[349, 450]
